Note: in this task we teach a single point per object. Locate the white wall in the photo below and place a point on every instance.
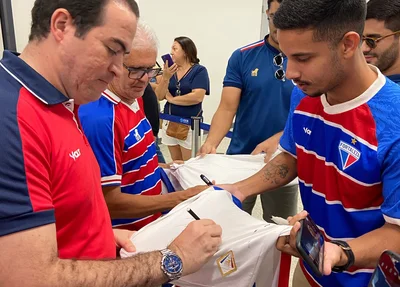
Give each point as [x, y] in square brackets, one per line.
[22, 21]
[217, 27]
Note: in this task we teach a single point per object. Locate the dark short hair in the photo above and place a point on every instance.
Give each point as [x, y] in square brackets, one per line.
[330, 19]
[385, 10]
[189, 48]
[86, 15]
[270, 1]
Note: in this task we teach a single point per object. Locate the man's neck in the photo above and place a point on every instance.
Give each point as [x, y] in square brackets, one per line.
[273, 43]
[394, 69]
[43, 64]
[120, 95]
[353, 85]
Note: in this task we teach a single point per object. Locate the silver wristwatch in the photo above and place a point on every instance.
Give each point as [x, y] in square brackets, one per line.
[171, 264]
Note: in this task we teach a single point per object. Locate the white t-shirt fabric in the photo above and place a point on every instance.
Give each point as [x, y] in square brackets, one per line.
[247, 255]
[218, 167]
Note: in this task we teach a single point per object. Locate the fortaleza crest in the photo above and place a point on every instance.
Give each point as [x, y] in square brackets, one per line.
[227, 264]
[348, 154]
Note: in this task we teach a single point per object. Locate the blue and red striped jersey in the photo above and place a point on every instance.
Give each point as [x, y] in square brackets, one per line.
[348, 162]
[48, 172]
[123, 142]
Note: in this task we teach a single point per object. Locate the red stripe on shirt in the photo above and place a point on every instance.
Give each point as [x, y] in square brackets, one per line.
[252, 46]
[359, 121]
[336, 187]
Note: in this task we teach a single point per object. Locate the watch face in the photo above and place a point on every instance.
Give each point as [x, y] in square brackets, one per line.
[172, 264]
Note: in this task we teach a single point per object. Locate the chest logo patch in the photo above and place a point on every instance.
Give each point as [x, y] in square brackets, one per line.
[348, 154]
[137, 135]
[75, 154]
[227, 264]
[254, 73]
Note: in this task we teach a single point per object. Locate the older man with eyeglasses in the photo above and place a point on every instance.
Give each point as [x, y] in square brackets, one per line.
[381, 37]
[122, 140]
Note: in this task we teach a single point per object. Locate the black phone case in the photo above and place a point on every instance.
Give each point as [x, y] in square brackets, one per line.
[304, 255]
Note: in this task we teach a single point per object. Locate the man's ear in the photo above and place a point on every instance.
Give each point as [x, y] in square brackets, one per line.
[349, 44]
[60, 21]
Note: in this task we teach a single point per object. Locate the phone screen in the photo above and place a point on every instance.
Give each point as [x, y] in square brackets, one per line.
[311, 245]
[386, 274]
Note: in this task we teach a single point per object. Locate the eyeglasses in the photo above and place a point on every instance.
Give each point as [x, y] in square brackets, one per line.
[372, 42]
[278, 62]
[138, 73]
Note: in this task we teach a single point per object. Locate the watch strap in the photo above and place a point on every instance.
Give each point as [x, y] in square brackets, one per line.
[350, 255]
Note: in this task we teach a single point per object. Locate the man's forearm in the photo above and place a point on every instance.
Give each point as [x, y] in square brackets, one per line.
[220, 125]
[368, 248]
[279, 171]
[141, 270]
[122, 205]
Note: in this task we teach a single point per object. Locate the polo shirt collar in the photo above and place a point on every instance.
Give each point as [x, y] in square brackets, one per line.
[269, 46]
[31, 80]
[395, 78]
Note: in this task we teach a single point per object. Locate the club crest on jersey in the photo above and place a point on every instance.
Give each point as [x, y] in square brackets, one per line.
[137, 135]
[348, 154]
[227, 264]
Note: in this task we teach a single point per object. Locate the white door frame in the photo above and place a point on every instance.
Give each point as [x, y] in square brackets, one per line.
[264, 20]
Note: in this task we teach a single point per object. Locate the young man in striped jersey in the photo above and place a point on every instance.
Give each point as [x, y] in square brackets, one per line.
[341, 140]
[123, 142]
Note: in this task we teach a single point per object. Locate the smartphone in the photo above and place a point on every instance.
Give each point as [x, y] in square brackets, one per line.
[167, 57]
[310, 243]
[386, 274]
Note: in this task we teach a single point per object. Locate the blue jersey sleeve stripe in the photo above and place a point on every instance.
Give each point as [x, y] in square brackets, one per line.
[232, 84]
[100, 131]
[391, 220]
[26, 221]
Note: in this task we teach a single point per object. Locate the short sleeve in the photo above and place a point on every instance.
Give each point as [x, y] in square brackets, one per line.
[25, 187]
[103, 131]
[287, 143]
[391, 184]
[201, 80]
[151, 109]
[233, 76]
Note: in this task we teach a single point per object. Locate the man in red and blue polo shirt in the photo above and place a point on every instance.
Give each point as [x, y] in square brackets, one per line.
[54, 223]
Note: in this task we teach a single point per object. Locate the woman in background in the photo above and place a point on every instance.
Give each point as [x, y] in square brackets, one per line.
[184, 86]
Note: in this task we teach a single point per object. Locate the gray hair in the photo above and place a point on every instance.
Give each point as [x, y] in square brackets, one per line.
[145, 37]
